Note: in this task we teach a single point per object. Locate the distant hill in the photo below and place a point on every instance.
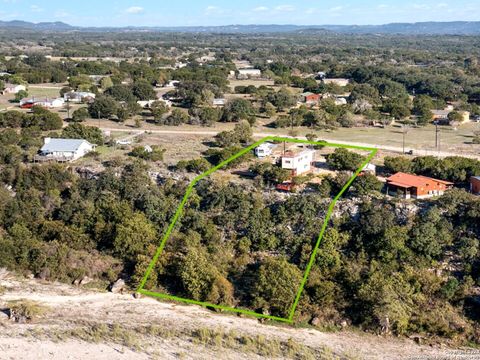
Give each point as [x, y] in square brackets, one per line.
[421, 28]
[54, 26]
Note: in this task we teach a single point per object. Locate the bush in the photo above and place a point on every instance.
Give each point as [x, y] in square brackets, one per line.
[342, 159]
[25, 310]
[198, 166]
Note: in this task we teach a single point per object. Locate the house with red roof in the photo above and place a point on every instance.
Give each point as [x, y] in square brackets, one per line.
[416, 186]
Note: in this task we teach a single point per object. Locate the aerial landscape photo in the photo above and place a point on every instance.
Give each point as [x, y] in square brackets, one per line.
[240, 180]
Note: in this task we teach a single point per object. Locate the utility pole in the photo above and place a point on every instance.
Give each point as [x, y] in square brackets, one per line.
[405, 130]
[437, 137]
[68, 108]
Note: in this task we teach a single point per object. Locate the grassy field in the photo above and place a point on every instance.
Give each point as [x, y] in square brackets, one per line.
[44, 92]
[458, 140]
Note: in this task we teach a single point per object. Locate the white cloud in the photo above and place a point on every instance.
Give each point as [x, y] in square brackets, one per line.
[134, 10]
[336, 8]
[421, 7]
[285, 8]
[311, 11]
[382, 6]
[260, 9]
[214, 10]
[35, 8]
[442, 5]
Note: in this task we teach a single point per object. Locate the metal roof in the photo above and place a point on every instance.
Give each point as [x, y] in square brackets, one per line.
[63, 145]
[410, 180]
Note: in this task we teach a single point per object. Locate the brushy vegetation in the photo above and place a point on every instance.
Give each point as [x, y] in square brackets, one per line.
[139, 338]
[26, 309]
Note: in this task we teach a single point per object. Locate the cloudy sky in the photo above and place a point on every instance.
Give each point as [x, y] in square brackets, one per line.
[215, 12]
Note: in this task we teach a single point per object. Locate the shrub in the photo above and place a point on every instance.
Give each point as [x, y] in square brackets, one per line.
[25, 310]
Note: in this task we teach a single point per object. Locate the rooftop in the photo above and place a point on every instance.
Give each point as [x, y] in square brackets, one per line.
[297, 152]
[62, 145]
[410, 180]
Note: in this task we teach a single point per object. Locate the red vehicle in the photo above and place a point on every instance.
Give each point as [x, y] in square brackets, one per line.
[286, 186]
[27, 105]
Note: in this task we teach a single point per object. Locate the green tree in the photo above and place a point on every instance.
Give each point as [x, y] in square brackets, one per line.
[276, 286]
[365, 184]
[78, 131]
[158, 109]
[197, 274]
[103, 107]
[343, 159]
[106, 83]
[394, 164]
[143, 90]
[20, 95]
[80, 114]
[239, 109]
[133, 236]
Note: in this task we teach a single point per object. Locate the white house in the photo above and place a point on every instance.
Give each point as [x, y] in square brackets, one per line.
[50, 103]
[44, 102]
[249, 73]
[78, 96]
[64, 149]
[264, 150]
[339, 81]
[146, 104]
[298, 162]
[340, 101]
[13, 89]
[172, 83]
[218, 102]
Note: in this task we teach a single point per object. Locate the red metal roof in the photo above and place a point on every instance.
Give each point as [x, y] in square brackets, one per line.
[410, 180]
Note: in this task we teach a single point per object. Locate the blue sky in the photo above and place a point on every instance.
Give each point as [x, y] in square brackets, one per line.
[215, 12]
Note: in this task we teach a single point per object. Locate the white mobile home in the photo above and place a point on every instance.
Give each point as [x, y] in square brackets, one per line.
[249, 73]
[264, 150]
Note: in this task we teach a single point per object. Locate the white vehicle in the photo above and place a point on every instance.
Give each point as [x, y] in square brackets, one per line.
[264, 150]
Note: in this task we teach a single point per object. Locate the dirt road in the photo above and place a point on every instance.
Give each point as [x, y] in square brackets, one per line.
[259, 135]
[81, 324]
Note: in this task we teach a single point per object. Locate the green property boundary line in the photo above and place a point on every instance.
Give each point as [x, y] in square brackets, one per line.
[179, 210]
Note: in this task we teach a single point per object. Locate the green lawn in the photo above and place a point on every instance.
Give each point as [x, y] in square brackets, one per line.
[43, 92]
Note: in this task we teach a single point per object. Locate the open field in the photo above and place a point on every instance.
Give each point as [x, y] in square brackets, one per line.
[47, 91]
[421, 140]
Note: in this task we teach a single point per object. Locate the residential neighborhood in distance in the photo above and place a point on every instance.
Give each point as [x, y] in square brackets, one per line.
[268, 180]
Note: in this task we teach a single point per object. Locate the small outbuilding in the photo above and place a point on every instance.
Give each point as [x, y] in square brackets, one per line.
[311, 98]
[475, 185]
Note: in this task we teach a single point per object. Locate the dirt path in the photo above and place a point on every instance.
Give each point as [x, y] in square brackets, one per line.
[61, 334]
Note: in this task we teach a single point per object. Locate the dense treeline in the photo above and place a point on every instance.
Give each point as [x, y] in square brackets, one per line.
[379, 267]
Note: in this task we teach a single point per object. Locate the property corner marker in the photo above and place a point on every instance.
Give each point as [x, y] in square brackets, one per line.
[179, 210]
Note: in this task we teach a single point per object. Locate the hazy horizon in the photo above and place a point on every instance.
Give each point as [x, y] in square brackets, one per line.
[152, 13]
